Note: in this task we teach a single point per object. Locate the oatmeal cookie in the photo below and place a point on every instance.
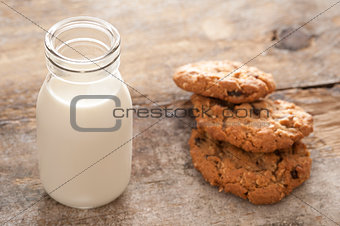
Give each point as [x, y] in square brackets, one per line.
[260, 126]
[226, 80]
[262, 178]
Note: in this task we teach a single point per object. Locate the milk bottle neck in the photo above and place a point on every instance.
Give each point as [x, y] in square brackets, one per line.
[82, 49]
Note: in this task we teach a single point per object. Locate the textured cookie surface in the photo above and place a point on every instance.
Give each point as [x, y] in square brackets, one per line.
[220, 80]
[261, 126]
[262, 178]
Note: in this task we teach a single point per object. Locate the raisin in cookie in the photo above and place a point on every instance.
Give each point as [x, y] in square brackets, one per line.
[261, 126]
[262, 178]
[221, 79]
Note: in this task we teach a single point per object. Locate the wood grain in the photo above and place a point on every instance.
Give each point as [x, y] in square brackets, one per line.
[165, 188]
[158, 36]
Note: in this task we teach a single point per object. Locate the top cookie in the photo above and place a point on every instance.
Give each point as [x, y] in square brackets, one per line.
[223, 80]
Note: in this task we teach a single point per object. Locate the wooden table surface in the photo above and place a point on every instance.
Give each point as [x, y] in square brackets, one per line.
[158, 36]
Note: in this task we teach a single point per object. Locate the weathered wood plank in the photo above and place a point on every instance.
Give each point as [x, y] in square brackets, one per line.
[157, 37]
[165, 188]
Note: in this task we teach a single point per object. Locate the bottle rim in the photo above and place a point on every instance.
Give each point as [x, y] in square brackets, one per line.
[82, 65]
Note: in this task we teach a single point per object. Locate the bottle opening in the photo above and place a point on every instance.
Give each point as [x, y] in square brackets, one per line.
[82, 44]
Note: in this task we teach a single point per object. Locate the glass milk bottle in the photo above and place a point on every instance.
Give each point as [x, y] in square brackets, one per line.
[84, 152]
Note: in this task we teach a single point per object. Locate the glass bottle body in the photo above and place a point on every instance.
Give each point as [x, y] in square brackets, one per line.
[83, 168]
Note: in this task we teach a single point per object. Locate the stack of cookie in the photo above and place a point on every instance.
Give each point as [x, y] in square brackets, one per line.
[245, 143]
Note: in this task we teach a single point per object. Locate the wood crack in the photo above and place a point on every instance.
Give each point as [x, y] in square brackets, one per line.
[323, 85]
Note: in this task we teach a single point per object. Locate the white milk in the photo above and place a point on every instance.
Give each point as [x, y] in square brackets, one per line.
[65, 152]
[83, 169]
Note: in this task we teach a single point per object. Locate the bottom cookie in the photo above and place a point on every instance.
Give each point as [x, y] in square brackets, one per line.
[262, 178]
